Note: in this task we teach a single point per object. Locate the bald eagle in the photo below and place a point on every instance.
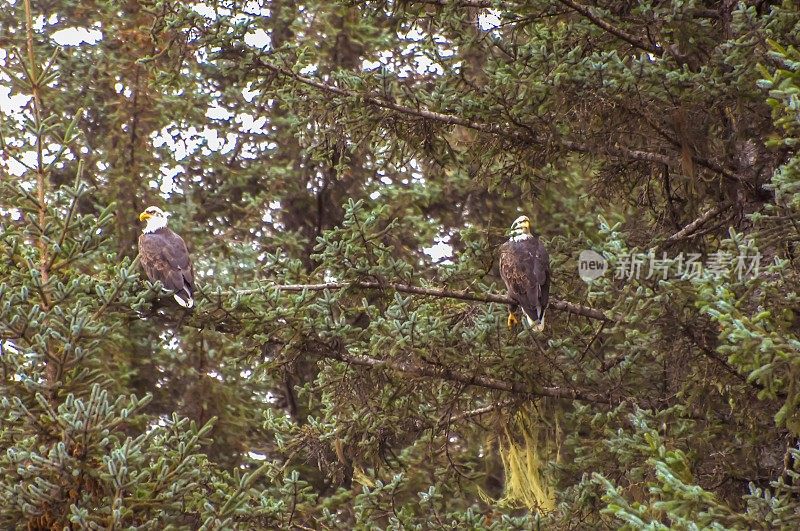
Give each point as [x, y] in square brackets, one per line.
[164, 256]
[525, 269]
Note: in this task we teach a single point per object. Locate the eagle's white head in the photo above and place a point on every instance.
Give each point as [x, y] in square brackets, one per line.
[155, 217]
[521, 229]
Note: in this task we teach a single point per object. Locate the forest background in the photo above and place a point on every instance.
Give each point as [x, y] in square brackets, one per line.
[343, 173]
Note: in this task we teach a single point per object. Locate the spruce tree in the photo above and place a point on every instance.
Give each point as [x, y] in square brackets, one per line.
[343, 173]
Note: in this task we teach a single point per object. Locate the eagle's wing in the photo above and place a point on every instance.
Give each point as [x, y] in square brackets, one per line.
[525, 269]
[177, 254]
[507, 270]
[165, 257]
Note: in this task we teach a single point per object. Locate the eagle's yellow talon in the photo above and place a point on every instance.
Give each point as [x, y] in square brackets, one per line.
[512, 320]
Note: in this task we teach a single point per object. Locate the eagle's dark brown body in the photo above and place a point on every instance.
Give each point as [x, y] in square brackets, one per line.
[525, 269]
[164, 257]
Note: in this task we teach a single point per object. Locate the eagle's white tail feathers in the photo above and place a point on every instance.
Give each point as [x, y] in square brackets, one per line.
[537, 326]
[531, 321]
[184, 300]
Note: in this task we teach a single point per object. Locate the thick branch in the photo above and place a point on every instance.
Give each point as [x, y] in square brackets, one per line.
[434, 292]
[619, 152]
[526, 391]
[605, 26]
[445, 373]
[689, 229]
[40, 176]
[696, 12]
[456, 3]
[388, 104]
[475, 412]
[500, 131]
[51, 370]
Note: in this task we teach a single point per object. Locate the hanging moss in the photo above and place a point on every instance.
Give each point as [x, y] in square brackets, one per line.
[526, 445]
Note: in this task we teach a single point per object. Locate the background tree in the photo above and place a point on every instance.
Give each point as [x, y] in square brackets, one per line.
[343, 173]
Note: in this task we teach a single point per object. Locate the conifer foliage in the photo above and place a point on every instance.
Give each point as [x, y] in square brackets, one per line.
[343, 173]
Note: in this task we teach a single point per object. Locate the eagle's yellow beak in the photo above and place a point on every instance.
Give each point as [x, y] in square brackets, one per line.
[144, 215]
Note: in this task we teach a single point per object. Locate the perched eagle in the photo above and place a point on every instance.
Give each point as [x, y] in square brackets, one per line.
[525, 268]
[164, 256]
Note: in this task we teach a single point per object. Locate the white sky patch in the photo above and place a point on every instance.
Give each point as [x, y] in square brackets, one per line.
[122, 89]
[77, 36]
[29, 158]
[249, 123]
[440, 250]
[12, 105]
[162, 421]
[230, 143]
[415, 33]
[218, 113]
[174, 342]
[168, 175]
[384, 58]
[14, 168]
[211, 13]
[423, 63]
[308, 70]
[185, 142]
[258, 39]
[8, 345]
[250, 93]
[253, 6]
[213, 141]
[489, 20]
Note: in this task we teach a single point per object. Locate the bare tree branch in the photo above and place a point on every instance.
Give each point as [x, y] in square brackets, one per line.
[522, 136]
[689, 229]
[445, 373]
[431, 292]
[476, 412]
[619, 152]
[606, 26]
[526, 391]
[456, 3]
[393, 106]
